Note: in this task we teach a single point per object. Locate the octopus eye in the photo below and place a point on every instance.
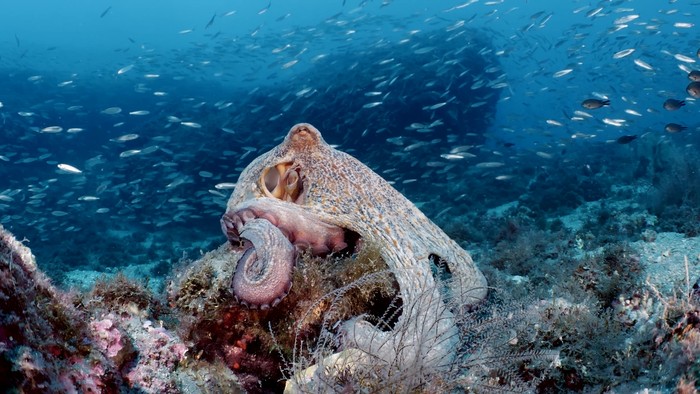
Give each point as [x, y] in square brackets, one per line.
[283, 181]
[292, 184]
[271, 178]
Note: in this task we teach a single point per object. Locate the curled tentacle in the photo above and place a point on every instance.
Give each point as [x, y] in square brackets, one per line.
[263, 275]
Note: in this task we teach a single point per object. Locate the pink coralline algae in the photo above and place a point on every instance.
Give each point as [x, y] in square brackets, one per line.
[108, 337]
[55, 342]
[161, 352]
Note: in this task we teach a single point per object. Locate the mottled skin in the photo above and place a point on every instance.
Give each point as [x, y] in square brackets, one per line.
[265, 246]
[339, 191]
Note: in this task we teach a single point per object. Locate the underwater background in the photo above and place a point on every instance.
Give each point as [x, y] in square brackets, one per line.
[126, 125]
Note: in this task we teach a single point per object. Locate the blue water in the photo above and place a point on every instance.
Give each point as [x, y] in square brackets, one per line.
[255, 68]
[463, 105]
[241, 73]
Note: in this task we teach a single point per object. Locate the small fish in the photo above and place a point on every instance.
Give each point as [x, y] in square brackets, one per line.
[111, 110]
[582, 136]
[684, 68]
[264, 10]
[282, 48]
[672, 104]
[435, 106]
[614, 122]
[594, 103]
[683, 25]
[594, 12]
[69, 168]
[52, 129]
[503, 177]
[563, 72]
[211, 22]
[218, 193]
[451, 156]
[126, 137]
[102, 15]
[623, 53]
[693, 89]
[302, 92]
[694, 75]
[125, 69]
[683, 58]
[396, 140]
[674, 128]
[372, 105]
[625, 19]
[415, 146]
[150, 149]
[130, 152]
[489, 164]
[193, 125]
[225, 185]
[641, 63]
[626, 139]
[139, 113]
[290, 64]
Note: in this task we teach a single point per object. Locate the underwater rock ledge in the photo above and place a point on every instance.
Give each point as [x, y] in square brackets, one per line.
[121, 337]
[56, 341]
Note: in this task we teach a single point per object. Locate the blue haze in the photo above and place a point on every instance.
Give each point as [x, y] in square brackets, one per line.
[69, 43]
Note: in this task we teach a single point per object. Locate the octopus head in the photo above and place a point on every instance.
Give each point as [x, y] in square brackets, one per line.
[263, 275]
[303, 137]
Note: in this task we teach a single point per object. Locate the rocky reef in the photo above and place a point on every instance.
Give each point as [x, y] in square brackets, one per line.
[196, 338]
[109, 340]
[572, 306]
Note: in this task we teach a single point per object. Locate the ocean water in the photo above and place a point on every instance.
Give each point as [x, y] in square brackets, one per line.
[124, 125]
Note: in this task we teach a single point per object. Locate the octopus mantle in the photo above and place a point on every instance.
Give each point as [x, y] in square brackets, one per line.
[305, 195]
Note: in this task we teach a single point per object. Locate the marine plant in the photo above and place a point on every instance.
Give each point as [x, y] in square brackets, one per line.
[56, 341]
[496, 352]
[676, 335]
[253, 342]
[120, 292]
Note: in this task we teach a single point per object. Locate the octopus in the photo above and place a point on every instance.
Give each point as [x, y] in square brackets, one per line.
[306, 195]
